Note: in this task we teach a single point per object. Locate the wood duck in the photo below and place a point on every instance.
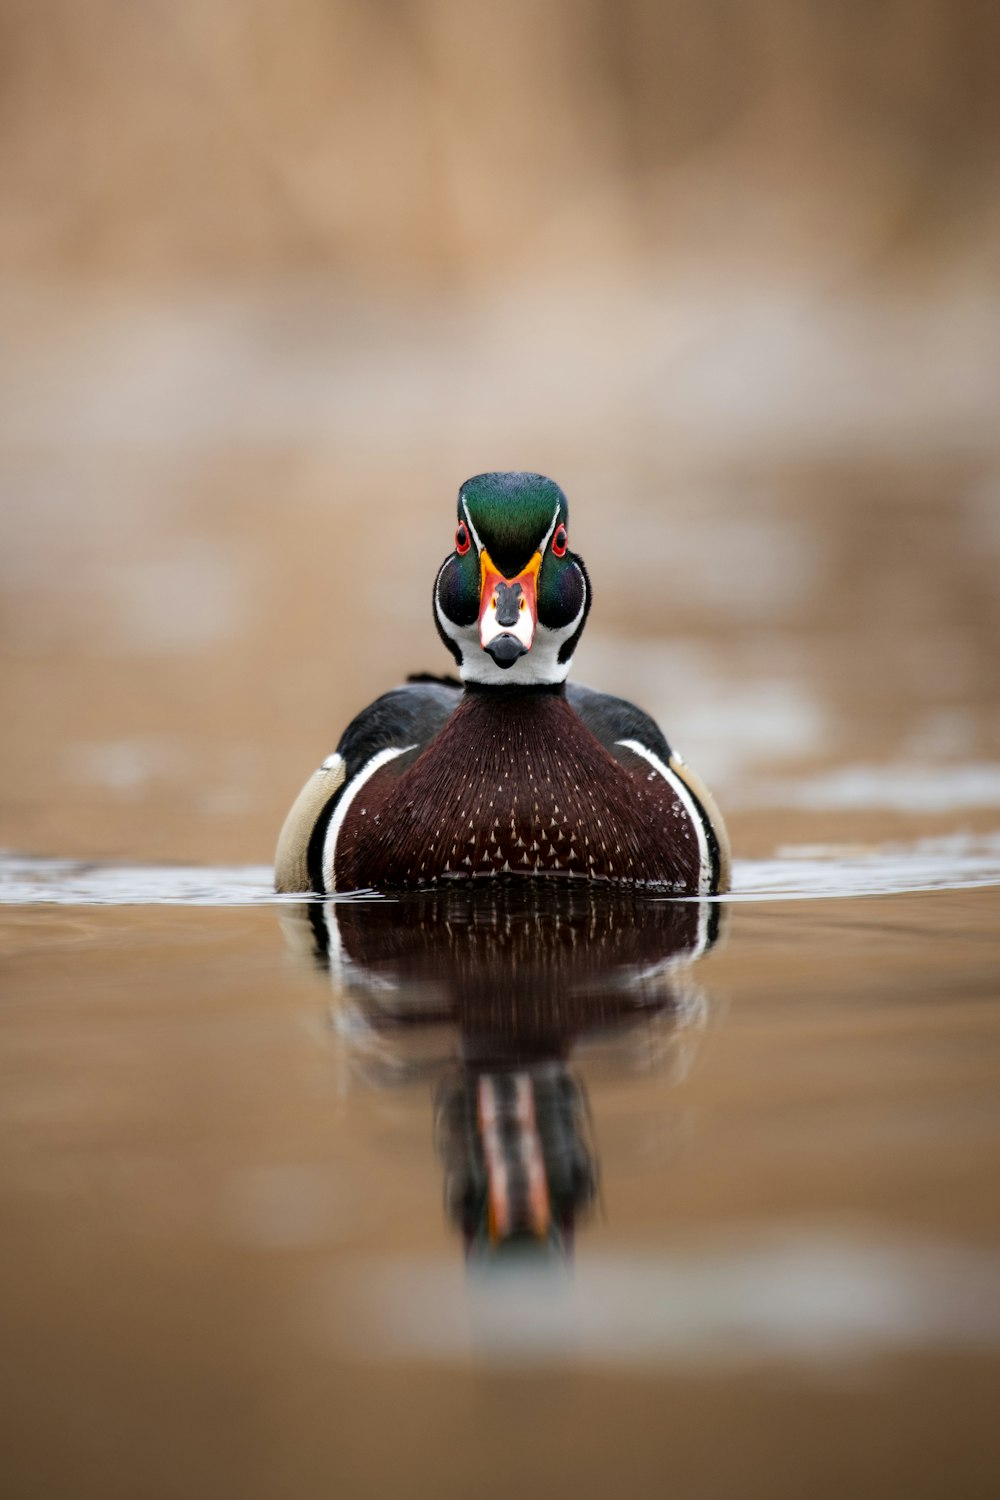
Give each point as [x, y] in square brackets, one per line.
[508, 772]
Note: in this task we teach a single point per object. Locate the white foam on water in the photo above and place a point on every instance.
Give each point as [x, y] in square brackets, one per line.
[68, 882]
[809, 871]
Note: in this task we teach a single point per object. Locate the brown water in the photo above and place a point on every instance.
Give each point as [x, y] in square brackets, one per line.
[226, 1264]
[771, 1260]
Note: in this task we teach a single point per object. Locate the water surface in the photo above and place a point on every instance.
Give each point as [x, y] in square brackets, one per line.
[588, 1197]
[251, 1245]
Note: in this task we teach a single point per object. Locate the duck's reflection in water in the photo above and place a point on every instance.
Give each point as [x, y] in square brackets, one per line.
[486, 991]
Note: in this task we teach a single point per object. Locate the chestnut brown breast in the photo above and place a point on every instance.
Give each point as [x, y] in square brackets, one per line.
[516, 784]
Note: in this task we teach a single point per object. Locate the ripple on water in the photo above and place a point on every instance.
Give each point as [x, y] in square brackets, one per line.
[797, 872]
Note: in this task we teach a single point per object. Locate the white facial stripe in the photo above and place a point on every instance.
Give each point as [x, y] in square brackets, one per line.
[476, 537]
[463, 636]
[539, 665]
[347, 796]
[475, 533]
[567, 631]
[687, 802]
[548, 535]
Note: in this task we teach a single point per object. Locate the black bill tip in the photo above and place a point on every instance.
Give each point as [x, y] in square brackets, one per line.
[505, 650]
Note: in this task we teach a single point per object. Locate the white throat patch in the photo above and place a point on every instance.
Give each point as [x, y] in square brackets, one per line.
[539, 665]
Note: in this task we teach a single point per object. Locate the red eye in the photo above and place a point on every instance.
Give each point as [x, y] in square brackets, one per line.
[560, 542]
[462, 539]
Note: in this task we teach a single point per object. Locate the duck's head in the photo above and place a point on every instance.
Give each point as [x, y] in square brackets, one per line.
[511, 599]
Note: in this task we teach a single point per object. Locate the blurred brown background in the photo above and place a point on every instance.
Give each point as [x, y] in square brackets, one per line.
[276, 278]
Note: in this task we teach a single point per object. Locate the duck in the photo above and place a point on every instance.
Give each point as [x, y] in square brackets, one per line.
[505, 771]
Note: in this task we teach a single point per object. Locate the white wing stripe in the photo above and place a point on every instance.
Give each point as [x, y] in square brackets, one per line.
[475, 533]
[347, 796]
[687, 801]
[545, 538]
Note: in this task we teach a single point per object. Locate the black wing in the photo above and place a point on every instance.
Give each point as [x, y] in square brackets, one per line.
[614, 719]
[410, 715]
